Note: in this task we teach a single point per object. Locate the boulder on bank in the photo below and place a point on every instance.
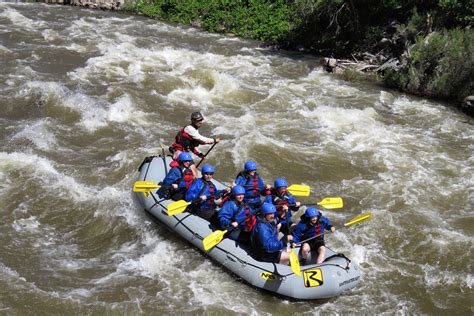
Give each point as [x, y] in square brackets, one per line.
[99, 4]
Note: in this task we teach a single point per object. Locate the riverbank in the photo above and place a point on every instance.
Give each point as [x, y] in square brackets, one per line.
[93, 4]
[425, 51]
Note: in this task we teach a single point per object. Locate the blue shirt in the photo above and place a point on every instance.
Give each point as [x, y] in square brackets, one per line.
[285, 199]
[264, 237]
[231, 211]
[305, 230]
[201, 187]
[252, 194]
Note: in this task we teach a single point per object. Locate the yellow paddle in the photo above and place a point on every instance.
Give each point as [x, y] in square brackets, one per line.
[294, 262]
[299, 189]
[358, 219]
[330, 203]
[213, 239]
[177, 207]
[145, 187]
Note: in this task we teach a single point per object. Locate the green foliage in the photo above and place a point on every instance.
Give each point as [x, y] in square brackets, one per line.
[440, 65]
[342, 26]
[455, 12]
[256, 19]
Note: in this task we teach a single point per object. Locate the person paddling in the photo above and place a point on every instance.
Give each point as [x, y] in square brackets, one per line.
[252, 183]
[237, 215]
[188, 139]
[285, 203]
[265, 243]
[178, 179]
[203, 193]
[312, 224]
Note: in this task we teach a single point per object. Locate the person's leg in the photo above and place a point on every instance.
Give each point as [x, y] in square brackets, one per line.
[305, 251]
[284, 257]
[321, 254]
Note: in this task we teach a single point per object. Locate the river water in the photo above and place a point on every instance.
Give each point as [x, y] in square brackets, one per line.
[86, 95]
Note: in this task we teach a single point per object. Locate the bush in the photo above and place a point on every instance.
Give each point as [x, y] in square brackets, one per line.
[256, 19]
[440, 65]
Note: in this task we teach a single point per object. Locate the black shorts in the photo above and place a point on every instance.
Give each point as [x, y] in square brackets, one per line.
[244, 238]
[315, 244]
[269, 256]
[177, 195]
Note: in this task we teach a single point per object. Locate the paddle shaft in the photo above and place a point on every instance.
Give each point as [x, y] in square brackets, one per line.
[311, 238]
[198, 200]
[301, 242]
[288, 244]
[202, 159]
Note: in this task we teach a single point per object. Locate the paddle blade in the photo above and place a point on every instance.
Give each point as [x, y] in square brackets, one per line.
[177, 207]
[213, 239]
[358, 219]
[295, 263]
[331, 203]
[144, 186]
[299, 189]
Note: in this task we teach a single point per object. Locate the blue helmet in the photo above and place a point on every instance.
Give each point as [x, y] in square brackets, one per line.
[280, 182]
[311, 212]
[185, 156]
[268, 208]
[207, 168]
[238, 190]
[250, 165]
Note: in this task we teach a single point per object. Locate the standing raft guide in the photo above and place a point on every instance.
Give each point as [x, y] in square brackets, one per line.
[302, 279]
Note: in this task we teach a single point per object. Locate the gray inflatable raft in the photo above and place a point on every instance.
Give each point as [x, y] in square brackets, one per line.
[331, 278]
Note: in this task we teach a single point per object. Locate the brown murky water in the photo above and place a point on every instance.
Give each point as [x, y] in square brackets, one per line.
[86, 95]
